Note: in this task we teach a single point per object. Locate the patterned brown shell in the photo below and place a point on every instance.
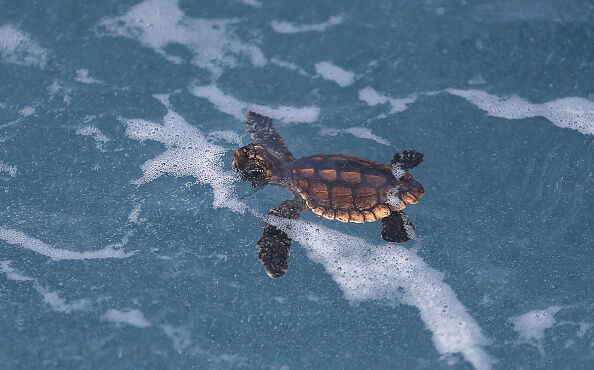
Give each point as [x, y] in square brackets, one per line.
[351, 189]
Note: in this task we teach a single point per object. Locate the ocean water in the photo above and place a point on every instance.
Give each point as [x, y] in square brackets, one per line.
[127, 240]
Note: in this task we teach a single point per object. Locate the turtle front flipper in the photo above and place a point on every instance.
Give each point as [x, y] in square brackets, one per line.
[275, 245]
[396, 228]
[407, 160]
[263, 132]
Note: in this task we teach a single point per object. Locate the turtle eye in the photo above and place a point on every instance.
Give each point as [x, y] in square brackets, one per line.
[244, 150]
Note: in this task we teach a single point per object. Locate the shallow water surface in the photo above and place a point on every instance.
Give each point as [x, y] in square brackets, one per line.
[127, 240]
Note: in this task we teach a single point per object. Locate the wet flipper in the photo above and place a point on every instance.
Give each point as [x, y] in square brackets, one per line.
[275, 245]
[263, 132]
[407, 160]
[396, 228]
[274, 251]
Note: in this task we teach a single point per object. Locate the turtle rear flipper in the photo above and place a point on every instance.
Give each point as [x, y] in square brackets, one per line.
[407, 160]
[274, 251]
[396, 228]
[263, 132]
[275, 245]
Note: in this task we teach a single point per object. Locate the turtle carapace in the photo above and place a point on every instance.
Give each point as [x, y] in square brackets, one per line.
[334, 186]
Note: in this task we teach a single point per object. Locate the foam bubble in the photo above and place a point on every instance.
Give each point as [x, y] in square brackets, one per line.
[238, 109]
[531, 326]
[132, 317]
[372, 98]
[97, 135]
[188, 153]
[288, 27]
[391, 273]
[572, 112]
[334, 73]
[360, 132]
[17, 47]
[159, 23]
[82, 75]
[16, 237]
[10, 170]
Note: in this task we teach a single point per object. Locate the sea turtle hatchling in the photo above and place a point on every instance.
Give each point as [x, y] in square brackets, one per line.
[334, 186]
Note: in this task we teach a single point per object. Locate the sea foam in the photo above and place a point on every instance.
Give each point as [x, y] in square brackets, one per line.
[96, 134]
[82, 75]
[334, 73]
[132, 317]
[393, 274]
[187, 153]
[531, 326]
[372, 98]
[571, 112]
[288, 27]
[238, 109]
[10, 170]
[15, 237]
[52, 298]
[159, 23]
[360, 132]
[16, 47]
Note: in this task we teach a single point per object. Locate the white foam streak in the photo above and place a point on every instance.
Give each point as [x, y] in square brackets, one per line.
[288, 27]
[159, 23]
[288, 65]
[82, 75]
[188, 153]
[56, 302]
[372, 98]
[238, 109]
[360, 132]
[96, 134]
[16, 47]
[225, 103]
[572, 112]
[287, 114]
[134, 215]
[394, 274]
[11, 274]
[334, 73]
[132, 317]
[15, 237]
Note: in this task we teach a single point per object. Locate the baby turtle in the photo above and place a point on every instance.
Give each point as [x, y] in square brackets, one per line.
[334, 186]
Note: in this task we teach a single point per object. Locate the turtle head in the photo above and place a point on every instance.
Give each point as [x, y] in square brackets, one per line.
[255, 163]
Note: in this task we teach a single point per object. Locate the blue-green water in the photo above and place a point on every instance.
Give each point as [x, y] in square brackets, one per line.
[126, 240]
